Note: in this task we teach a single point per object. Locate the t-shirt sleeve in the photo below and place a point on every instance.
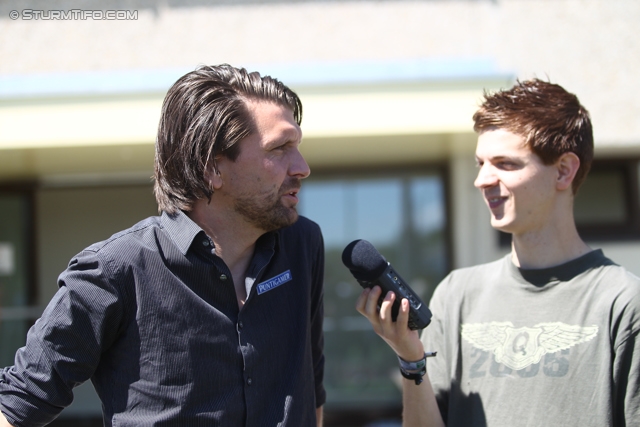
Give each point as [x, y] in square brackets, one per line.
[626, 364]
[63, 347]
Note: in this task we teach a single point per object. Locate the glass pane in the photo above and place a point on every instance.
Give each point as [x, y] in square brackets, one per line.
[429, 256]
[14, 216]
[377, 213]
[601, 199]
[12, 336]
[326, 201]
[404, 218]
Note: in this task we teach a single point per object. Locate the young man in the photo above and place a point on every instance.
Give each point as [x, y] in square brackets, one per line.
[547, 336]
[210, 314]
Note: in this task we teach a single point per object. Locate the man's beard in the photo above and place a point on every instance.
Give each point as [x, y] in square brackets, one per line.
[267, 211]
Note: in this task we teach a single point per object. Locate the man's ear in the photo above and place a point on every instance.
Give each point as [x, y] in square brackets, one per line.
[567, 166]
[212, 175]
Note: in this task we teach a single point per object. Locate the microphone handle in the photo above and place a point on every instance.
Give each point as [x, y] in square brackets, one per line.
[390, 280]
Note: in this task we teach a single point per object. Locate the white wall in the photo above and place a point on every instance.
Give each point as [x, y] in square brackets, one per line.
[590, 46]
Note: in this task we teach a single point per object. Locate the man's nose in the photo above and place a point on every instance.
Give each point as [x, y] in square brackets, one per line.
[299, 166]
[486, 177]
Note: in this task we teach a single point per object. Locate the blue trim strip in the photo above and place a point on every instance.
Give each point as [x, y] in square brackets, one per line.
[294, 75]
[383, 72]
[89, 83]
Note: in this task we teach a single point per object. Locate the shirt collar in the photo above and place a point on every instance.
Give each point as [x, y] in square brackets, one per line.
[181, 229]
[267, 242]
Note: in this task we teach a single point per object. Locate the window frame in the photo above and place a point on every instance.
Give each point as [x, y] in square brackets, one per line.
[28, 190]
[400, 171]
[630, 228]
[341, 412]
[29, 312]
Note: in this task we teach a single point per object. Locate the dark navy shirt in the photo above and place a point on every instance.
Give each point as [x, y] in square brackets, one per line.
[151, 317]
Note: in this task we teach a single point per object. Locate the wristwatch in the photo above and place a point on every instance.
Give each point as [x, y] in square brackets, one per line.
[415, 370]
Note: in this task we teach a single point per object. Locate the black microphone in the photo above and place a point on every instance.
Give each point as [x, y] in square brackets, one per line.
[370, 268]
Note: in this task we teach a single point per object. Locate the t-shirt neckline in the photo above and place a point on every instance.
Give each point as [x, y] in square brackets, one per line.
[540, 277]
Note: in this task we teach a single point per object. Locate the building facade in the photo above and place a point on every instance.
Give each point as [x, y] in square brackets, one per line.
[388, 89]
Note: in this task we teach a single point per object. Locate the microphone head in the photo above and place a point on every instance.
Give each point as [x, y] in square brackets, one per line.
[363, 260]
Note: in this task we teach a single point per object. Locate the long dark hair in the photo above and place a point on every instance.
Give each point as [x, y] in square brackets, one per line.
[204, 114]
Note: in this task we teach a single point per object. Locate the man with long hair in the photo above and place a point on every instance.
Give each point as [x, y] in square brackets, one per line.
[211, 313]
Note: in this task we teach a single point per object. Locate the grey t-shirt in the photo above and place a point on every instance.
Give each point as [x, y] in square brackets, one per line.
[549, 347]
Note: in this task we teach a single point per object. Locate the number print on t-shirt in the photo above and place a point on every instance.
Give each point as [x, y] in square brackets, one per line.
[554, 365]
[519, 348]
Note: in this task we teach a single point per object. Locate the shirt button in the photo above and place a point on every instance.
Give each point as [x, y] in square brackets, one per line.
[249, 381]
[240, 325]
[205, 243]
[223, 277]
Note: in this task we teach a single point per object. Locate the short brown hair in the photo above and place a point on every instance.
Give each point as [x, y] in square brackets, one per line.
[550, 119]
[204, 114]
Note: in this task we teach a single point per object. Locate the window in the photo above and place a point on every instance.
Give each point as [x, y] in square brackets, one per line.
[17, 292]
[607, 204]
[404, 217]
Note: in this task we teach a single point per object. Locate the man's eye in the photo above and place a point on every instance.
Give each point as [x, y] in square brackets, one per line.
[281, 147]
[507, 165]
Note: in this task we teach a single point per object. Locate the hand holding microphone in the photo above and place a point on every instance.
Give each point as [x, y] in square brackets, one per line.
[371, 269]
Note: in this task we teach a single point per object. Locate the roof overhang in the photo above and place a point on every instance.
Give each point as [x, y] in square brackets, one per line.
[353, 114]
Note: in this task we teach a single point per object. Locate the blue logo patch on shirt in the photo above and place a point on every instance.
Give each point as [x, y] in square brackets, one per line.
[274, 282]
